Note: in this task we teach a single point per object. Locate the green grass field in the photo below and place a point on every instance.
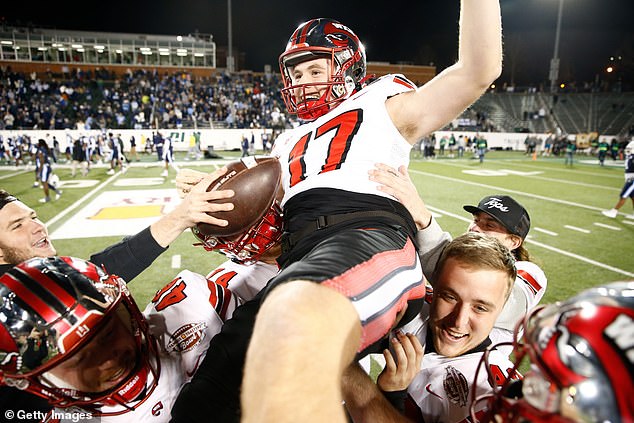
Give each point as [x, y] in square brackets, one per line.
[576, 246]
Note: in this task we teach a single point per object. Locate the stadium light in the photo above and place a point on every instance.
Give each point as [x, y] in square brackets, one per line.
[230, 59]
[554, 62]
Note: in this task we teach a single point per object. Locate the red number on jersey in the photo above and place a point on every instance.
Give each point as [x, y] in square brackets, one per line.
[499, 377]
[172, 293]
[346, 125]
[223, 279]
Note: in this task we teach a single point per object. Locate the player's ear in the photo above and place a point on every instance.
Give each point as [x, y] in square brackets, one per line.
[515, 241]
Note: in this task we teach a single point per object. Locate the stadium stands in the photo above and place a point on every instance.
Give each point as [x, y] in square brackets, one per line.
[605, 112]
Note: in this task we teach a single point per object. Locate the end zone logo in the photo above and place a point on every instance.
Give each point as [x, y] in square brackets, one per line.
[187, 337]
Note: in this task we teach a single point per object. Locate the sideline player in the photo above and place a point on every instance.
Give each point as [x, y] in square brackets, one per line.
[44, 171]
[330, 205]
[628, 188]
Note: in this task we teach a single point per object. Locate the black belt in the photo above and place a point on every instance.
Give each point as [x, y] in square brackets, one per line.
[289, 240]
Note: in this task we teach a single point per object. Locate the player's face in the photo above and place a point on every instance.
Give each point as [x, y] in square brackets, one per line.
[486, 224]
[22, 234]
[466, 303]
[310, 72]
[104, 362]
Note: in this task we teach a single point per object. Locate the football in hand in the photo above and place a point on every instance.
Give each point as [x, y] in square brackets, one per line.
[255, 182]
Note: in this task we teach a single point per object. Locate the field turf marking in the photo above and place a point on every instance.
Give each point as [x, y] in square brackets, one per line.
[574, 228]
[603, 225]
[496, 188]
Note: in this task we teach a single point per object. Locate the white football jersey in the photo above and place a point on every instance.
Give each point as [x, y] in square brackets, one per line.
[245, 281]
[338, 149]
[528, 290]
[441, 390]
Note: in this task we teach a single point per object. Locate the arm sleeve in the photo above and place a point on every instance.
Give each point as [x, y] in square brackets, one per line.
[431, 242]
[130, 256]
[396, 398]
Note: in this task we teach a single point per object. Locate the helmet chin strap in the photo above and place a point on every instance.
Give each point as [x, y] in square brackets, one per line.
[311, 110]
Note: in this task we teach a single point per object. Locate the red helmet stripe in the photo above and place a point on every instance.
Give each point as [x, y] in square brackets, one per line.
[619, 370]
[301, 37]
[46, 281]
[33, 301]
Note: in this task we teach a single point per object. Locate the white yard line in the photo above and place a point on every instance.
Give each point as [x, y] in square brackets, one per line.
[581, 184]
[619, 165]
[574, 228]
[603, 225]
[496, 188]
[546, 246]
[19, 172]
[543, 178]
[582, 258]
[547, 232]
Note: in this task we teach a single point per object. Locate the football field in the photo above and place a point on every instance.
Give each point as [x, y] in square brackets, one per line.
[575, 245]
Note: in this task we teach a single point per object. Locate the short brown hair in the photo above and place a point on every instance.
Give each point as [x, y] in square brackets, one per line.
[478, 250]
[6, 198]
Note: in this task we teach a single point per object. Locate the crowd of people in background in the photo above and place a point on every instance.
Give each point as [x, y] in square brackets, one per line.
[140, 99]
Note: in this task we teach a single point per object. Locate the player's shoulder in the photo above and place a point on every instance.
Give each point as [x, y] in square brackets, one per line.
[532, 275]
[185, 287]
[392, 81]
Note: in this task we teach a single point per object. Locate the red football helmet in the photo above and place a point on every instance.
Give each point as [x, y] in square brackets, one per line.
[69, 303]
[248, 247]
[581, 354]
[322, 38]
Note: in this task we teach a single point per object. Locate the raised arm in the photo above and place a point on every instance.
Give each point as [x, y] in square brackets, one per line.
[430, 107]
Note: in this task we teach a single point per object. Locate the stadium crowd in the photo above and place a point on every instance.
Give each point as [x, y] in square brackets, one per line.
[140, 99]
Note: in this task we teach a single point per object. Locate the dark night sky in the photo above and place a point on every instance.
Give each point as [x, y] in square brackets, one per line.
[417, 32]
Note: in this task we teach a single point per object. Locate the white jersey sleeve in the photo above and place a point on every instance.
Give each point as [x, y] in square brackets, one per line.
[528, 289]
[186, 313]
[338, 149]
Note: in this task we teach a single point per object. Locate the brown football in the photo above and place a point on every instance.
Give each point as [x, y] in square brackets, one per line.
[255, 181]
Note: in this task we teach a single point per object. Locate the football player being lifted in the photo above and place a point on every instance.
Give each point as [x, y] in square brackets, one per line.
[348, 264]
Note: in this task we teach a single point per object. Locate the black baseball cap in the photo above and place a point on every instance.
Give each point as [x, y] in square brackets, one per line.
[511, 214]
